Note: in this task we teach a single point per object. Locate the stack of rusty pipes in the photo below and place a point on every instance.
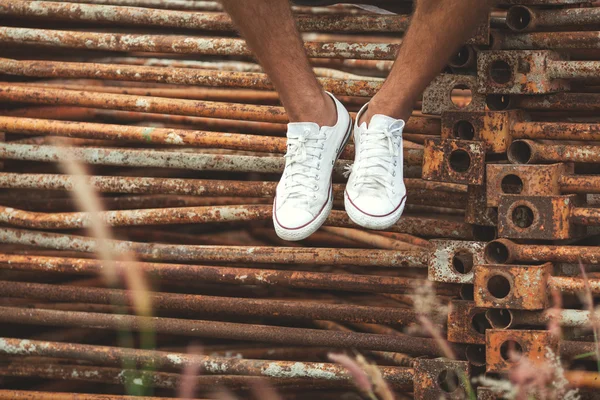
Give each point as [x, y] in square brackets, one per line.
[529, 153]
[179, 134]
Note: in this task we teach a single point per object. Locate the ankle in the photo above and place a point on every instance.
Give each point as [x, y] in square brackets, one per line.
[396, 111]
[320, 110]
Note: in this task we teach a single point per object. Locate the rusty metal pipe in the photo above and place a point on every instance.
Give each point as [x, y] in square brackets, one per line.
[149, 158]
[51, 96]
[580, 102]
[105, 355]
[159, 105]
[68, 113]
[147, 135]
[427, 227]
[238, 254]
[583, 379]
[507, 319]
[157, 216]
[182, 44]
[587, 40]
[227, 275]
[580, 183]
[421, 125]
[530, 152]
[526, 19]
[118, 376]
[585, 216]
[190, 5]
[36, 395]
[573, 69]
[153, 135]
[570, 349]
[179, 76]
[504, 251]
[573, 285]
[226, 330]
[555, 130]
[191, 93]
[212, 305]
[144, 185]
[200, 187]
[138, 16]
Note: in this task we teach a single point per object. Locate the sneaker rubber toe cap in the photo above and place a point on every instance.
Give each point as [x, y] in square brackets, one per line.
[293, 218]
[374, 206]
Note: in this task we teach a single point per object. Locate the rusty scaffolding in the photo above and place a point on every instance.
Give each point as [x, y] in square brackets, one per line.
[141, 147]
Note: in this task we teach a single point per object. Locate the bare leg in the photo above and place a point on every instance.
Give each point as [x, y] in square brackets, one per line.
[270, 30]
[437, 29]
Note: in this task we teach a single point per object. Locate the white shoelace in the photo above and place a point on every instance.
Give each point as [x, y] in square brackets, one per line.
[304, 155]
[375, 164]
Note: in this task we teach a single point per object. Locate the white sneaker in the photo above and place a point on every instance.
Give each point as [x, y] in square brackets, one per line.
[304, 196]
[375, 193]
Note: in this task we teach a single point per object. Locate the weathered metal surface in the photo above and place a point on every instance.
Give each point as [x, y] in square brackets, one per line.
[580, 102]
[428, 227]
[518, 72]
[467, 323]
[512, 286]
[583, 380]
[180, 76]
[138, 16]
[586, 40]
[492, 128]
[438, 96]
[447, 193]
[453, 261]
[555, 130]
[510, 319]
[542, 217]
[277, 308]
[477, 211]
[181, 44]
[207, 365]
[237, 254]
[456, 161]
[506, 251]
[33, 395]
[224, 330]
[440, 378]
[140, 379]
[50, 96]
[228, 275]
[212, 305]
[530, 152]
[530, 345]
[147, 135]
[525, 180]
[527, 19]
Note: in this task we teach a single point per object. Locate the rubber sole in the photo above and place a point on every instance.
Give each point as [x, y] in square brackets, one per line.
[369, 221]
[293, 235]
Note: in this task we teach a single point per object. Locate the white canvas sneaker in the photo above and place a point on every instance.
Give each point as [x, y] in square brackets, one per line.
[375, 193]
[304, 196]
